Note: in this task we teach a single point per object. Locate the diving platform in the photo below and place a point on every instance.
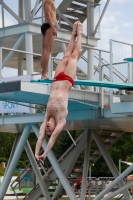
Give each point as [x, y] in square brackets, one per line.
[84, 110]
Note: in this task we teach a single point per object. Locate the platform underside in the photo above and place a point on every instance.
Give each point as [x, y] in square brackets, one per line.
[124, 124]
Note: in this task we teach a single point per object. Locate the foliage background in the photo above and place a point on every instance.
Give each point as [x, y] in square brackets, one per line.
[122, 149]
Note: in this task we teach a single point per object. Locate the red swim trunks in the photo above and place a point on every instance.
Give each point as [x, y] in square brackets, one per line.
[62, 76]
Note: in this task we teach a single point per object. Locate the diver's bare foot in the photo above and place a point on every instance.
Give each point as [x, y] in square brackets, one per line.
[75, 26]
[79, 28]
[45, 77]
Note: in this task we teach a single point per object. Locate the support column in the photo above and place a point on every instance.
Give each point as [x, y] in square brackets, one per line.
[57, 168]
[14, 161]
[29, 48]
[37, 171]
[20, 64]
[111, 72]
[18, 135]
[63, 46]
[29, 59]
[20, 55]
[21, 9]
[71, 161]
[0, 64]
[3, 20]
[101, 90]
[90, 30]
[86, 164]
[27, 8]
[116, 181]
[109, 162]
[132, 63]
[12, 52]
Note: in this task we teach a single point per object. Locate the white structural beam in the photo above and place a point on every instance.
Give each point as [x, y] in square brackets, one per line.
[65, 4]
[34, 10]
[37, 171]
[27, 8]
[72, 160]
[64, 18]
[0, 64]
[62, 36]
[29, 48]
[12, 52]
[20, 56]
[66, 37]
[63, 179]
[11, 12]
[21, 9]
[86, 164]
[3, 24]
[109, 162]
[90, 29]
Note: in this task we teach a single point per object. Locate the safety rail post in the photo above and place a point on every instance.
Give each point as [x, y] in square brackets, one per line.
[111, 72]
[128, 72]
[101, 90]
[132, 62]
[0, 64]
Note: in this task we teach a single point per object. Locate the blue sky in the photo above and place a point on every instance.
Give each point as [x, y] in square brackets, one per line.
[117, 22]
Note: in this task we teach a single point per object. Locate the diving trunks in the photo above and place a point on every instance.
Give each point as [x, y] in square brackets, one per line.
[62, 76]
[78, 187]
[45, 27]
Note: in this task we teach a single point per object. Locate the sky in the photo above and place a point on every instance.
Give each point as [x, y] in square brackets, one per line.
[117, 22]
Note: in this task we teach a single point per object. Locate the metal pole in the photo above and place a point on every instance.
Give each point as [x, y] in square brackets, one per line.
[3, 24]
[21, 9]
[12, 52]
[75, 153]
[89, 182]
[132, 62]
[20, 57]
[0, 64]
[100, 79]
[29, 59]
[37, 171]
[27, 6]
[90, 29]
[120, 166]
[109, 162]
[14, 161]
[49, 66]
[57, 168]
[86, 164]
[63, 46]
[116, 181]
[111, 72]
[29, 48]
[119, 191]
[42, 12]
[18, 135]
[128, 72]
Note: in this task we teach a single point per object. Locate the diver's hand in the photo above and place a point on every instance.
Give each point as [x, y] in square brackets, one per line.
[40, 158]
